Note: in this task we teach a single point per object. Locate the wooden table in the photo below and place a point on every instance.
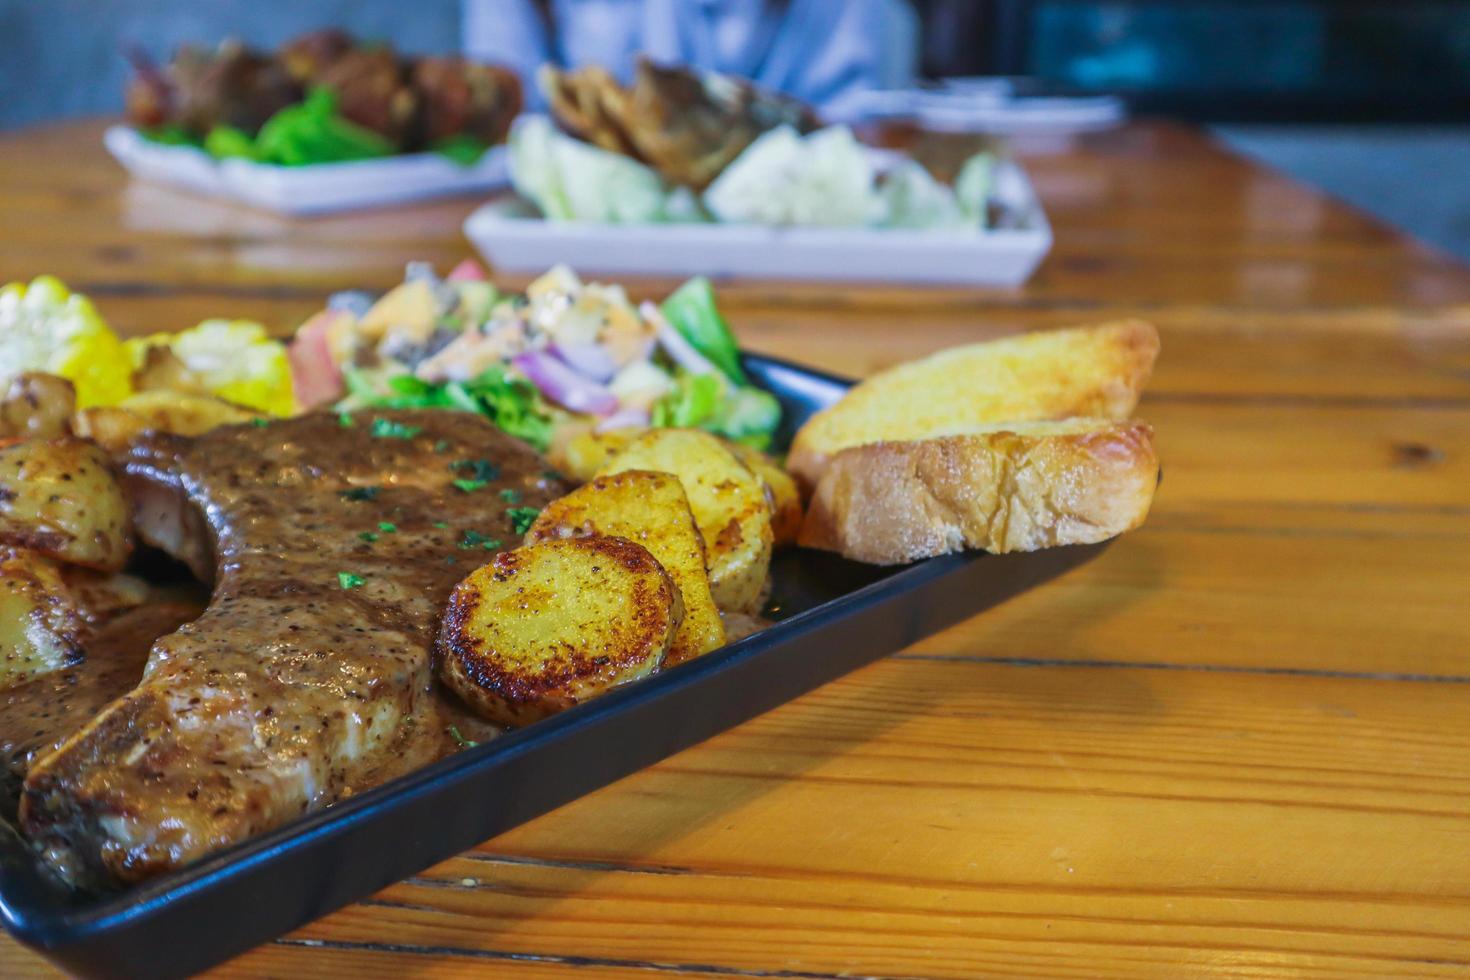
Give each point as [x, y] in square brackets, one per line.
[1238, 744]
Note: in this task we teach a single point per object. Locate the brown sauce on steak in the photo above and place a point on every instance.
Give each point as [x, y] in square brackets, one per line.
[40, 714]
[332, 549]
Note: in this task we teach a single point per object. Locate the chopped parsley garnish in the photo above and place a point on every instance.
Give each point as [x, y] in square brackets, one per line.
[350, 581]
[521, 518]
[441, 445]
[344, 419]
[551, 475]
[464, 743]
[441, 525]
[260, 423]
[389, 429]
[476, 469]
[367, 536]
[387, 528]
[362, 493]
[474, 539]
[469, 486]
[510, 495]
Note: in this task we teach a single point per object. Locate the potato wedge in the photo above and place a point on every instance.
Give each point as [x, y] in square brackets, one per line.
[729, 504]
[550, 625]
[785, 496]
[650, 509]
[60, 498]
[41, 626]
[37, 406]
[114, 428]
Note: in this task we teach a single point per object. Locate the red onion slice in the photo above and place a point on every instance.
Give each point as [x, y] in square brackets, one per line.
[672, 341]
[563, 385]
[624, 418]
[589, 360]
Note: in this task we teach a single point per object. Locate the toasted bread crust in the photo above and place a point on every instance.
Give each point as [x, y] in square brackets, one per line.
[1001, 491]
[1096, 372]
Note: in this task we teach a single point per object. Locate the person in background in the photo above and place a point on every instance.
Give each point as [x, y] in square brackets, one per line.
[824, 52]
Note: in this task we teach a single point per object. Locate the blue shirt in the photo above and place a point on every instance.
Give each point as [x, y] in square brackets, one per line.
[824, 52]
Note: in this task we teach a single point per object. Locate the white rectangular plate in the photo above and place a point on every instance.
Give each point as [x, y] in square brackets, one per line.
[316, 189]
[514, 238]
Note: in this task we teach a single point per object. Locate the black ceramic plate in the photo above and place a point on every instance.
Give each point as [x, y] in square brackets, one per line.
[836, 615]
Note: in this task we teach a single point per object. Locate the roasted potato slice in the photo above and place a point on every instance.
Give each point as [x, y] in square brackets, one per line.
[581, 454]
[650, 509]
[101, 596]
[785, 496]
[550, 625]
[41, 626]
[37, 406]
[60, 498]
[114, 428]
[729, 505]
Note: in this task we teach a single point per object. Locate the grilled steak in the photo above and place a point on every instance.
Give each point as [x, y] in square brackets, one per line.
[332, 548]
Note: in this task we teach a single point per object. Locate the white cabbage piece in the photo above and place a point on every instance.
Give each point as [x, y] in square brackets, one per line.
[913, 199]
[973, 186]
[574, 181]
[824, 179]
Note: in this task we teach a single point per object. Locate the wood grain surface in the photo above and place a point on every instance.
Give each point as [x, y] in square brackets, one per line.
[1238, 744]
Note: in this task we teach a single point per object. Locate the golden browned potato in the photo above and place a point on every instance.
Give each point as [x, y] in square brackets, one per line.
[37, 406]
[114, 428]
[785, 496]
[650, 509]
[41, 627]
[162, 370]
[101, 596]
[580, 453]
[729, 505]
[60, 498]
[550, 625]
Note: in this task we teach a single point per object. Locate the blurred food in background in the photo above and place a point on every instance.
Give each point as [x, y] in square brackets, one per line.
[680, 145]
[320, 98]
[687, 126]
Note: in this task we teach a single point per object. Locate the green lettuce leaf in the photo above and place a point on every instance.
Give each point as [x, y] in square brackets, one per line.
[511, 403]
[692, 311]
[311, 131]
[711, 402]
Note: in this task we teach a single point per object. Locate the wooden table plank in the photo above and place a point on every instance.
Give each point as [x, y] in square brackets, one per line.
[1235, 745]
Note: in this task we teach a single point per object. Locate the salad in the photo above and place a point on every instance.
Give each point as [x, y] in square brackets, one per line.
[565, 357]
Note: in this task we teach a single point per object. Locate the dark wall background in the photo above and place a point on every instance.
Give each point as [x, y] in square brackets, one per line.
[63, 57]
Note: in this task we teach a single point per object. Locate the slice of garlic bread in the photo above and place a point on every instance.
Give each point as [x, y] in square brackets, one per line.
[1020, 487]
[1094, 371]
